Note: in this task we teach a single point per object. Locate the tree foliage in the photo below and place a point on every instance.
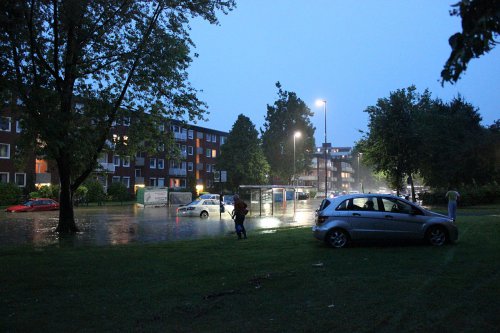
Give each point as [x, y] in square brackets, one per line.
[111, 55]
[242, 156]
[391, 144]
[288, 115]
[456, 148]
[480, 28]
[443, 143]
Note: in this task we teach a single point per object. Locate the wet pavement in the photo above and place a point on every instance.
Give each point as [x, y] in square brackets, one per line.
[108, 225]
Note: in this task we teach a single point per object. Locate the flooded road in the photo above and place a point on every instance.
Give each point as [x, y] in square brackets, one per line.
[108, 225]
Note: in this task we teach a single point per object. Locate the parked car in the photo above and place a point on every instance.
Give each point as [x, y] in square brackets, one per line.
[210, 196]
[353, 217]
[203, 208]
[34, 205]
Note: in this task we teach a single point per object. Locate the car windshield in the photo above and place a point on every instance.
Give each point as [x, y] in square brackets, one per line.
[196, 202]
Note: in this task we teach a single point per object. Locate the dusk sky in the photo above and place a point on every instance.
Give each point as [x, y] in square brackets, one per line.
[349, 53]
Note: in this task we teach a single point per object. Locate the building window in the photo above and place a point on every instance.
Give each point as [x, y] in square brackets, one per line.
[138, 172]
[5, 124]
[152, 163]
[116, 160]
[214, 153]
[209, 168]
[190, 134]
[209, 153]
[126, 161]
[190, 150]
[222, 140]
[115, 179]
[161, 163]
[4, 177]
[20, 179]
[19, 129]
[214, 138]
[4, 150]
[126, 181]
[209, 137]
[161, 182]
[190, 166]
[199, 135]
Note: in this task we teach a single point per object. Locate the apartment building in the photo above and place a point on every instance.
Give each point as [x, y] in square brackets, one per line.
[330, 166]
[199, 148]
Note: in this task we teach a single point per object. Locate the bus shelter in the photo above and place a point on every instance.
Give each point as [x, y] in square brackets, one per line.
[272, 199]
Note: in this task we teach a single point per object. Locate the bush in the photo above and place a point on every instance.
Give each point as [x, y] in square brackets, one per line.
[469, 195]
[118, 192]
[95, 192]
[50, 191]
[80, 195]
[10, 194]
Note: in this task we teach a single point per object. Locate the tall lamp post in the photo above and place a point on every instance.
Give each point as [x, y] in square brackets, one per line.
[359, 174]
[295, 135]
[319, 103]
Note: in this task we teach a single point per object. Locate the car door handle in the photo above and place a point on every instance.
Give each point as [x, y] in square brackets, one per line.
[356, 214]
[388, 216]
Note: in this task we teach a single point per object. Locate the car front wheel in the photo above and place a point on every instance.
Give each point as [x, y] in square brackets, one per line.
[204, 214]
[337, 238]
[436, 236]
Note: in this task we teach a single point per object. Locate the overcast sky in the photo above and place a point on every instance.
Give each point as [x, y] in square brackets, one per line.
[349, 53]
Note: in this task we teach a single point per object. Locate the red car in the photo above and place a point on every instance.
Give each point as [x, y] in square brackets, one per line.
[34, 205]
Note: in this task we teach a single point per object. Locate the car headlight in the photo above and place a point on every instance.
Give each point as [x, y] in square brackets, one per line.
[190, 208]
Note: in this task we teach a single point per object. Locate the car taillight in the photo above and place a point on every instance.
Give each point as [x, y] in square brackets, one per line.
[321, 219]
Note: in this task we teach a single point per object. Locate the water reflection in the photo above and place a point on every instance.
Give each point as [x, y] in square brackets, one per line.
[108, 225]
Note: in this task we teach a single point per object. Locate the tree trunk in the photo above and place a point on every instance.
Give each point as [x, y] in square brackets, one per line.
[66, 214]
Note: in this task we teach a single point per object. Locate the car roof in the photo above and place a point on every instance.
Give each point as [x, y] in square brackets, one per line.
[363, 195]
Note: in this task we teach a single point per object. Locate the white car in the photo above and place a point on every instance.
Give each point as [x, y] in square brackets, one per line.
[202, 208]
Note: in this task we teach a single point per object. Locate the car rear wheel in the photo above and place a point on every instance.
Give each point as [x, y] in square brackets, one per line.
[436, 236]
[337, 238]
[204, 214]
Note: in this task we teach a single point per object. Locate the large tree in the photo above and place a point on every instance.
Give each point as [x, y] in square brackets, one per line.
[391, 144]
[480, 29]
[288, 115]
[242, 157]
[111, 54]
[456, 149]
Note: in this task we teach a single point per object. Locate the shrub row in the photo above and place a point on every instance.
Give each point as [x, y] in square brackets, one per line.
[469, 195]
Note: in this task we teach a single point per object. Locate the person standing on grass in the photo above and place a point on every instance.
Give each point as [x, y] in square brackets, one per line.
[452, 197]
[240, 210]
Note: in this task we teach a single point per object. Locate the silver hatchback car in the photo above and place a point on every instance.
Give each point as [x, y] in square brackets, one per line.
[354, 217]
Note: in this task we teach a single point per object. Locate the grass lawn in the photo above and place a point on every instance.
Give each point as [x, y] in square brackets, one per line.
[283, 281]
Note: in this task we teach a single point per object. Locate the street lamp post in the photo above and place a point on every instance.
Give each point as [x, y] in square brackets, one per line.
[319, 102]
[295, 135]
[359, 174]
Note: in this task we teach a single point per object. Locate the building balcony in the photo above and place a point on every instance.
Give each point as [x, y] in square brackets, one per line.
[180, 136]
[139, 180]
[43, 178]
[107, 167]
[177, 172]
[308, 178]
[348, 169]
